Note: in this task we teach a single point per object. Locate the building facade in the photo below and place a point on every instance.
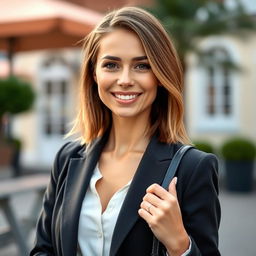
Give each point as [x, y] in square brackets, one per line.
[219, 101]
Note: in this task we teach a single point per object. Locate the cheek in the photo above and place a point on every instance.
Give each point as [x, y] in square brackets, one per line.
[103, 78]
[154, 94]
[153, 86]
[103, 90]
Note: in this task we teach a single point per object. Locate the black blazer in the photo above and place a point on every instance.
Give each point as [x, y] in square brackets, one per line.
[197, 191]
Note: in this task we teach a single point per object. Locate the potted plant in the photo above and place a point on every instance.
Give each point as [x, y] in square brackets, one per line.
[204, 146]
[16, 96]
[239, 154]
[16, 144]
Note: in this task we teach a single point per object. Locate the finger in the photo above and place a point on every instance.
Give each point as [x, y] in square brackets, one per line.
[172, 187]
[151, 209]
[158, 191]
[145, 215]
[152, 199]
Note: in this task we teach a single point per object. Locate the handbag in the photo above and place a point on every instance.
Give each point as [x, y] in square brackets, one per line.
[170, 173]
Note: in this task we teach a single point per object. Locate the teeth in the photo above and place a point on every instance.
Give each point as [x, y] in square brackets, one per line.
[125, 97]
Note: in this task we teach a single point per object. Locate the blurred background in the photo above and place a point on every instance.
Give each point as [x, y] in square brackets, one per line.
[40, 58]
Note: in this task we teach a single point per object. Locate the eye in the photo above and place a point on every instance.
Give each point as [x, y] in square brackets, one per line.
[110, 65]
[143, 66]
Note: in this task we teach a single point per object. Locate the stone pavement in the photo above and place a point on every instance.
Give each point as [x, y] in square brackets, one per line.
[237, 230]
[238, 224]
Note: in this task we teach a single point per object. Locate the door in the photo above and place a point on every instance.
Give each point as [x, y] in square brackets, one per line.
[54, 109]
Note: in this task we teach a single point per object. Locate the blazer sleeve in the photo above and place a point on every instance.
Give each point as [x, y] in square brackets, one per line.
[43, 245]
[199, 202]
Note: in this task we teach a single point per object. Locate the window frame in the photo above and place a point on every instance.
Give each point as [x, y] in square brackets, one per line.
[203, 121]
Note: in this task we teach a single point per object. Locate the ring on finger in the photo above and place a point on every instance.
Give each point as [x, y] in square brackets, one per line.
[148, 208]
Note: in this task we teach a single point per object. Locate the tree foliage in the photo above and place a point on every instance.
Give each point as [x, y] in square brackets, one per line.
[189, 20]
[16, 96]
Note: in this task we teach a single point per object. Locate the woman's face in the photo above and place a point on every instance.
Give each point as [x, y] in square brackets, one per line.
[126, 83]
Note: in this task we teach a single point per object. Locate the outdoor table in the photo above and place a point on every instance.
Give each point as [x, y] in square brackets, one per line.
[13, 186]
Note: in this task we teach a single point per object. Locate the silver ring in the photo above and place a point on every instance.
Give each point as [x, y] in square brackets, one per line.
[148, 209]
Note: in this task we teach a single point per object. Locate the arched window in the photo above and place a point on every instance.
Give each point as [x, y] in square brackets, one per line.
[216, 91]
[219, 89]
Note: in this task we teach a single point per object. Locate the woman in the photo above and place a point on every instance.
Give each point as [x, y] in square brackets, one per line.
[105, 198]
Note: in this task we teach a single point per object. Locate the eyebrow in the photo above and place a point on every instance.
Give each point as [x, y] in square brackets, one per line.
[109, 57]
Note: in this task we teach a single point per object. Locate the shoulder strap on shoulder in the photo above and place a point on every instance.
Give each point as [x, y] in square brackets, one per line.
[170, 173]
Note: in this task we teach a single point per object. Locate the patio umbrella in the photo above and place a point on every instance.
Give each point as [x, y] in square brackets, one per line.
[27, 25]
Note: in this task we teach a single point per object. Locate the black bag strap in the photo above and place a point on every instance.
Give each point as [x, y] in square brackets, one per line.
[170, 173]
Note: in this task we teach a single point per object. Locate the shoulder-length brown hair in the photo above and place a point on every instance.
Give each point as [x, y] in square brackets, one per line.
[94, 118]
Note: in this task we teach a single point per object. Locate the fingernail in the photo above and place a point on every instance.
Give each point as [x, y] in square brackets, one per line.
[175, 180]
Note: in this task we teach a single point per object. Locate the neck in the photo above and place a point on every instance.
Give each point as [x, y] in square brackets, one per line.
[128, 135]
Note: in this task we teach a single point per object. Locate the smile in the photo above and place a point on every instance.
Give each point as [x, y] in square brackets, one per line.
[126, 97]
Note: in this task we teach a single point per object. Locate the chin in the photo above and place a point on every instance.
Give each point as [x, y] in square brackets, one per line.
[125, 114]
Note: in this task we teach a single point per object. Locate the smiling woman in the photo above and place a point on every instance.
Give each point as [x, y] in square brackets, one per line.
[154, 44]
[126, 84]
[104, 196]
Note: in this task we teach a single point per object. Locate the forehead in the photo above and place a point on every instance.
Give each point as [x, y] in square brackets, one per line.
[121, 43]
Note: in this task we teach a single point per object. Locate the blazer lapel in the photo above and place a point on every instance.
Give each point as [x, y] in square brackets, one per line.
[78, 178]
[151, 170]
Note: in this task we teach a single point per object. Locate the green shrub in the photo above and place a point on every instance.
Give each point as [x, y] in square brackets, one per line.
[204, 146]
[16, 96]
[239, 149]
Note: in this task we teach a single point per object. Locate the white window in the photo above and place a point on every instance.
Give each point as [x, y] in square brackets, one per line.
[55, 113]
[54, 107]
[217, 93]
[219, 89]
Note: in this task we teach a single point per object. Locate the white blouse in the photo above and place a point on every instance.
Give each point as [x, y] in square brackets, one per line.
[95, 228]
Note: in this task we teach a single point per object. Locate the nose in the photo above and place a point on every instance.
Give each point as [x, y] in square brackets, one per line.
[125, 78]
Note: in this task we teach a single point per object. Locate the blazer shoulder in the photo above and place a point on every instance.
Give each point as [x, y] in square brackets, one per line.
[71, 149]
[197, 162]
[196, 157]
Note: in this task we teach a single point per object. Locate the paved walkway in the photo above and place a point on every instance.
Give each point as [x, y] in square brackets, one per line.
[238, 224]
[237, 231]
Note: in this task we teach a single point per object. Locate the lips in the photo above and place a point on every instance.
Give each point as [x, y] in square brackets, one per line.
[125, 96]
